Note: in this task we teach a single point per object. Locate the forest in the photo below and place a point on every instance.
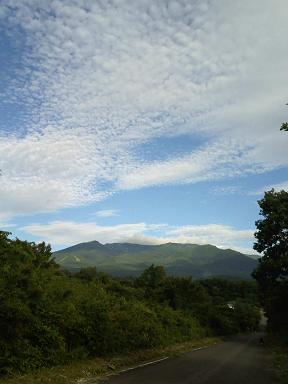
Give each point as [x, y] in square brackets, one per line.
[49, 316]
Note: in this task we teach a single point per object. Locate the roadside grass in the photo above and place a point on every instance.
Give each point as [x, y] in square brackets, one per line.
[281, 363]
[280, 358]
[89, 371]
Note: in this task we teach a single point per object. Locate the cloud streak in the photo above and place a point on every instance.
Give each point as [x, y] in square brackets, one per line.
[107, 213]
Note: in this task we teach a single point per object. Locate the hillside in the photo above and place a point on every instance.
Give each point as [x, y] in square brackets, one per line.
[125, 259]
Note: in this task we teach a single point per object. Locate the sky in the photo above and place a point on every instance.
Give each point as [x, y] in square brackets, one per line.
[141, 121]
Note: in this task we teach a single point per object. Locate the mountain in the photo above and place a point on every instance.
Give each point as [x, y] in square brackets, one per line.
[125, 259]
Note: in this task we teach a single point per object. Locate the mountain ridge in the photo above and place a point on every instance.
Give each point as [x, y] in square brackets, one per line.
[179, 259]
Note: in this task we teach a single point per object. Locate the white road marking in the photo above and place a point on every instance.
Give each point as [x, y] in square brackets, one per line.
[144, 364]
[149, 363]
[197, 349]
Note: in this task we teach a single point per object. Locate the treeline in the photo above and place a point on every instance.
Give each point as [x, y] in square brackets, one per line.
[50, 317]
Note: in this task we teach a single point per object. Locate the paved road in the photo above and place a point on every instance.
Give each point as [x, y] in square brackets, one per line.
[241, 361]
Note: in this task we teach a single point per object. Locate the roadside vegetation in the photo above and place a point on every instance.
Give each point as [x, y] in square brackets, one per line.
[87, 371]
[272, 273]
[49, 317]
[279, 348]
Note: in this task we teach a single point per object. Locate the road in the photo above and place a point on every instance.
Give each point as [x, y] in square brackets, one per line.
[241, 361]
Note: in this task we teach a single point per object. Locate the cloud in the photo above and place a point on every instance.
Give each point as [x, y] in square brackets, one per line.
[43, 173]
[217, 234]
[227, 190]
[222, 159]
[277, 186]
[107, 213]
[5, 226]
[95, 81]
[67, 233]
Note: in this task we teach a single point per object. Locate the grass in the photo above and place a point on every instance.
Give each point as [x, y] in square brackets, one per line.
[280, 354]
[89, 371]
[279, 349]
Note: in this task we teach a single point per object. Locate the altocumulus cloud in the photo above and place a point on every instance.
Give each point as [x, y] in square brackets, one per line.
[97, 80]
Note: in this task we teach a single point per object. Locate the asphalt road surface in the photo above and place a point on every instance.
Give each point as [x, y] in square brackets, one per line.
[241, 361]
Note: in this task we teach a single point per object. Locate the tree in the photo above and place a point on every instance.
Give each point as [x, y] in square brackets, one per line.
[27, 337]
[284, 126]
[152, 277]
[272, 271]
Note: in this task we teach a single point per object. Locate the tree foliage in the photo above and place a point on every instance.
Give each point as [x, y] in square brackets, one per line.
[272, 271]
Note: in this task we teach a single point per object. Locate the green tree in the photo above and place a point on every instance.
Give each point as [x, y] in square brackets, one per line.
[152, 277]
[272, 271]
[183, 293]
[27, 337]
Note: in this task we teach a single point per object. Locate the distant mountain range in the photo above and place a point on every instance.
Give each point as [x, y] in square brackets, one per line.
[125, 259]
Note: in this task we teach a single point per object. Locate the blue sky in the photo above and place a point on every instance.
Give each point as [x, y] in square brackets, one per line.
[146, 122]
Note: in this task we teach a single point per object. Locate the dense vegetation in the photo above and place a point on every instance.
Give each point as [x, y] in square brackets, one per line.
[49, 316]
[272, 271]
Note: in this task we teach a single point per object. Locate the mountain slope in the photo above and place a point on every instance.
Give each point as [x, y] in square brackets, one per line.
[125, 259]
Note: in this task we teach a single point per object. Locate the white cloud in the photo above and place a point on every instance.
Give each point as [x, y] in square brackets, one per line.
[217, 234]
[70, 232]
[277, 186]
[5, 226]
[222, 159]
[107, 213]
[99, 79]
[43, 173]
[227, 190]
[67, 233]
